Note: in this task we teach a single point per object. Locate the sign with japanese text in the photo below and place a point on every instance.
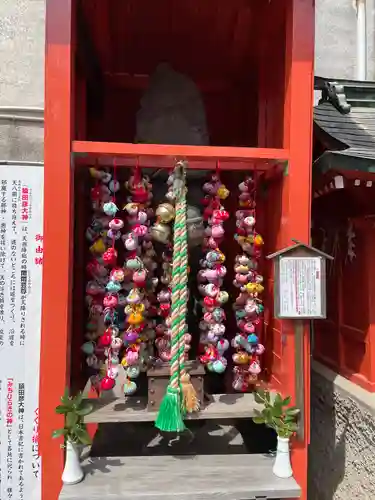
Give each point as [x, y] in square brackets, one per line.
[301, 287]
[21, 260]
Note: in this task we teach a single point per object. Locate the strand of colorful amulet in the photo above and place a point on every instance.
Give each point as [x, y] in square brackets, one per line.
[139, 268]
[162, 233]
[248, 306]
[110, 341]
[97, 272]
[212, 326]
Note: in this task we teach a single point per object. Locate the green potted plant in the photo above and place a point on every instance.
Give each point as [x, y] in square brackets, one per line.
[278, 415]
[74, 432]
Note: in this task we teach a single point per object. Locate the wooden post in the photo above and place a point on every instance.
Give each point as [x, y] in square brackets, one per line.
[297, 186]
[369, 242]
[299, 376]
[58, 205]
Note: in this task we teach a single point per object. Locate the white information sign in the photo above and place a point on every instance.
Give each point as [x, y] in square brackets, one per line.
[21, 261]
[300, 287]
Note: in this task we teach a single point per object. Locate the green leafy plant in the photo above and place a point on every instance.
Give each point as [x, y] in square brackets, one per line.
[276, 413]
[74, 409]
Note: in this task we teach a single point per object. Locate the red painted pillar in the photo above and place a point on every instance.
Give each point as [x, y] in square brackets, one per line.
[58, 223]
[296, 198]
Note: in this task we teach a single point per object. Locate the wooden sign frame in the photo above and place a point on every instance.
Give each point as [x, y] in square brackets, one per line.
[300, 251]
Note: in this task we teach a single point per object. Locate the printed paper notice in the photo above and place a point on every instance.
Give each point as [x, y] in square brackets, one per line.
[21, 262]
[300, 287]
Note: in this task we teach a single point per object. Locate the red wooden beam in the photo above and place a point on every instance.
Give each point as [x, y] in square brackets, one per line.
[345, 179]
[166, 154]
[158, 162]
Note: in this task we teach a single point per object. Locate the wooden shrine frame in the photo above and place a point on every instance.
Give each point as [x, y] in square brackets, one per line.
[59, 196]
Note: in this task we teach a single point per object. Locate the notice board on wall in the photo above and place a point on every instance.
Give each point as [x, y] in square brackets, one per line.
[21, 263]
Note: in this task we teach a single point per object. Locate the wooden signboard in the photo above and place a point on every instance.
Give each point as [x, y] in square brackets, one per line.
[300, 282]
[21, 264]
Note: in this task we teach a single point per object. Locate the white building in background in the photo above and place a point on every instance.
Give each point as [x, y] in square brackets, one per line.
[336, 48]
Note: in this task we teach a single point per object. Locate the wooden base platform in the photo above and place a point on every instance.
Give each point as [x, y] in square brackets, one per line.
[201, 477]
[134, 409]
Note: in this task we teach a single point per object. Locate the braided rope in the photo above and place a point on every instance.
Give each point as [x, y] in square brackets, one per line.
[183, 284]
[189, 399]
[179, 280]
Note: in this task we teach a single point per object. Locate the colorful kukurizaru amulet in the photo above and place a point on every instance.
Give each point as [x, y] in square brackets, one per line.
[99, 297]
[248, 307]
[210, 278]
[161, 233]
[110, 340]
[140, 267]
[161, 230]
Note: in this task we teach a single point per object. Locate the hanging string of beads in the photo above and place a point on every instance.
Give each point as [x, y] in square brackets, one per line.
[248, 306]
[148, 257]
[212, 343]
[97, 272]
[110, 341]
[139, 267]
[161, 232]
[142, 196]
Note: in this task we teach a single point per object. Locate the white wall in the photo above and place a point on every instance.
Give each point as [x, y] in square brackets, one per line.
[21, 75]
[22, 46]
[335, 35]
[22, 52]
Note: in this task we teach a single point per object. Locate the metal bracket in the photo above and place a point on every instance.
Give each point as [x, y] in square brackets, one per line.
[258, 498]
[286, 168]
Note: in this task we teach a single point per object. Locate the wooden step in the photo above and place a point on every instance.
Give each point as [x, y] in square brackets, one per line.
[134, 409]
[199, 477]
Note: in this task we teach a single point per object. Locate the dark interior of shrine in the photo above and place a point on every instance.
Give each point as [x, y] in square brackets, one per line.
[233, 51]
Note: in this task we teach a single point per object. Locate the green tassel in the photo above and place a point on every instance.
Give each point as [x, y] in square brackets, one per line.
[169, 418]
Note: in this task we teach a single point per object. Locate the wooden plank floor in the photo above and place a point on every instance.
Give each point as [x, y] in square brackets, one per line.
[202, 477]
[134, 409]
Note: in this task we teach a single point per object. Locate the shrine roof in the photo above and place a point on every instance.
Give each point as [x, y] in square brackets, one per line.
[344, 121]
[299, 245]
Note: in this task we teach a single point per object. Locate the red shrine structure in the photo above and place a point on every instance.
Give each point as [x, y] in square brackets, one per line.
[343, 225]
[253, 64]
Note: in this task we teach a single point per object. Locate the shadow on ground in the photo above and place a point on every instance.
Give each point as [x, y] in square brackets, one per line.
[212, 437]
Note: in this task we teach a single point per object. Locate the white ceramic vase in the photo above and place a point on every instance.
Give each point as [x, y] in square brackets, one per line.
[282, 467]
[73, 472]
